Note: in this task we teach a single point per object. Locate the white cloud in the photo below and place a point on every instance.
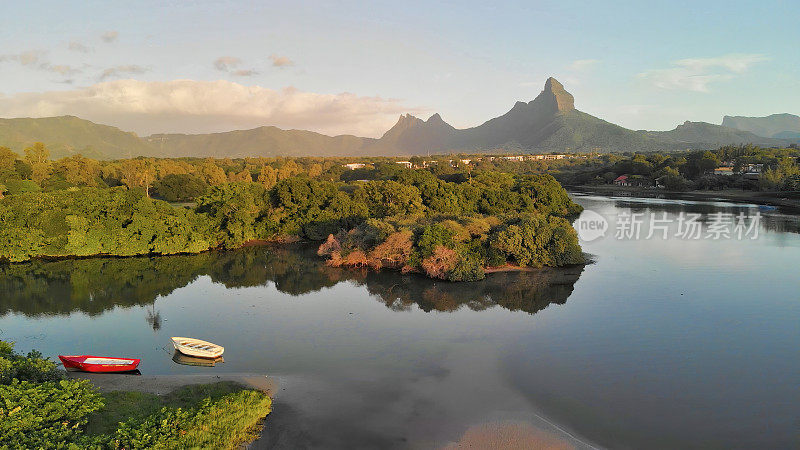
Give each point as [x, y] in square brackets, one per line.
[120, 71]
[244, 72]
[227, 63]
[61, 69]
[581, 65]
[230, 64]
[696, 74]
[35, 59]
[189, 106]
[26, 58]
[280, 61]
[76, 46]
[109, 36]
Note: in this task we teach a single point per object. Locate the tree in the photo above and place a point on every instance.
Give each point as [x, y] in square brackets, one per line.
[268, 177]
[289, 169]
[38, 158]
[315, 170]
[78, 170]
[137, 173]
[234, 209]
[8, 161]
[244, 175]
[213, 173]
[180, 187]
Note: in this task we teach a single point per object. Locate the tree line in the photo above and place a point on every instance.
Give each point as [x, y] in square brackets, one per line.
[443, 221]
[779, 169]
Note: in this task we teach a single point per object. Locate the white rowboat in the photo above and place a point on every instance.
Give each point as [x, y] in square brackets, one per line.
[197, 348]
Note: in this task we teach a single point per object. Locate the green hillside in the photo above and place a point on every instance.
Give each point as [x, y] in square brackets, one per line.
[707, 135]
[262, 141]
[576, 131]
[782, 126]
[68, 135]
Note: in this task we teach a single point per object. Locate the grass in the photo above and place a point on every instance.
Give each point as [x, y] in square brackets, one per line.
[231, 416]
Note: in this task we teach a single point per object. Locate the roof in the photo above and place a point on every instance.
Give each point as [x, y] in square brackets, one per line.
[621, 178]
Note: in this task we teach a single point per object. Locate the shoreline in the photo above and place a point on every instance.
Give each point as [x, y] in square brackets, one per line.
[780, 199]
[164, 384]
[292, 394]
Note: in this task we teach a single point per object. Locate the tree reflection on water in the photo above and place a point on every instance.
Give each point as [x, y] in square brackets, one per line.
[95, 285]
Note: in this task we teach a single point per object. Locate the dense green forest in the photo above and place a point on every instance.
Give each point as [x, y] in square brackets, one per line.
[445, 220]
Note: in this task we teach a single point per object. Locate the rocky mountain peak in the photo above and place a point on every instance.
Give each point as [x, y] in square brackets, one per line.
[556, 97]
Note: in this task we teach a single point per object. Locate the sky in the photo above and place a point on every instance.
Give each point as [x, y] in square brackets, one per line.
[353, 67]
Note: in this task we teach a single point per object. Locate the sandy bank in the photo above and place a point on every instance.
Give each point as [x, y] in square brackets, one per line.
[163, 384]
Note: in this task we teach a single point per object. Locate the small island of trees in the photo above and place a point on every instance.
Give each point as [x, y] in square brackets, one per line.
[445, 221]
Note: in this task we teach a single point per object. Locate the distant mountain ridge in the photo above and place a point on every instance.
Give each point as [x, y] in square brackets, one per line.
[780, 126]
[548, 123]
[69, 135]
[705, 135]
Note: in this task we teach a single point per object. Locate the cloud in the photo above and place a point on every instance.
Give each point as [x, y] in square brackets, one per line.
[281, 61]
[26, 58]
[61, 69]
[189, 106]
[696, 74]
[76, 46]
[117, 71]
[230, 63]
[109, 36]
[35, 59]
[580, 65]
[227, 63]
[244, 73]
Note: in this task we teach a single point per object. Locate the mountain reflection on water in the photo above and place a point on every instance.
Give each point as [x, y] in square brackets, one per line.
[95, 285]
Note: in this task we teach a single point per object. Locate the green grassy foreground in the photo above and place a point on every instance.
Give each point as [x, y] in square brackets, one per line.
[40, 408]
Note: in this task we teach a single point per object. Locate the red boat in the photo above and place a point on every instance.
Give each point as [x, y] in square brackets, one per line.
[89, 363]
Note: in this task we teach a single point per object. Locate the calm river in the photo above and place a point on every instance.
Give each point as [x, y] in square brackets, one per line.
[660, 343]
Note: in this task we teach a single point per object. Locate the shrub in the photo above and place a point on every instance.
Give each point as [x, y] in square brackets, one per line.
[31, 367]
[180, 187]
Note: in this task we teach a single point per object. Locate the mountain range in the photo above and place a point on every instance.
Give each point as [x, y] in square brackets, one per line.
[780, 126]
[548, 123]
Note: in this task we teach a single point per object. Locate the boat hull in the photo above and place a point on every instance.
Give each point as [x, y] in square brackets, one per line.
[99, 364]
[197, 348]
[180, 358]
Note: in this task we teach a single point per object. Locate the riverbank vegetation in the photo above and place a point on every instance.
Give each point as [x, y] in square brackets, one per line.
[42, 408]
[442, 221]
[747, 168]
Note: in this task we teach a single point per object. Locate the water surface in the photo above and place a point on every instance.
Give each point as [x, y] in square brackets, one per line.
[659, 343]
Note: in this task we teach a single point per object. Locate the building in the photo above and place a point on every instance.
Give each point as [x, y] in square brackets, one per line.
[723, 171]
[753, 168]
[406, 164]
[622, 180]
[752, 171]
[354, 166]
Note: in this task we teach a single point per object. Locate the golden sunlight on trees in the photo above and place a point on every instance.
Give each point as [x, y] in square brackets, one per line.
[137, 173]
[38, 157]
[78, 170]
[8, 160]
[268, 176]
